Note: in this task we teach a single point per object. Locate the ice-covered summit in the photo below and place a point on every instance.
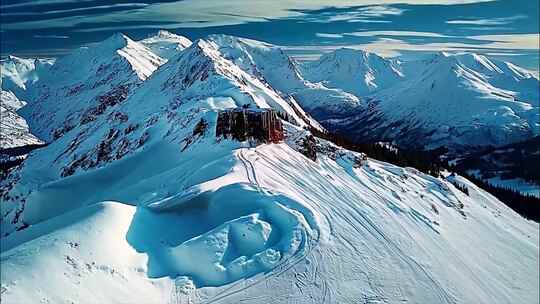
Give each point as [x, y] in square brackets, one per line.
[166, 44]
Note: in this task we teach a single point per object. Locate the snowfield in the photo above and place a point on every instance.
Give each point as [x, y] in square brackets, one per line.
[280, 227]
[135, 199]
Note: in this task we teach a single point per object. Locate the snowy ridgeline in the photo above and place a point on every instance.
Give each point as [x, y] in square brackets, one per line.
[136, 200]
[455, 100]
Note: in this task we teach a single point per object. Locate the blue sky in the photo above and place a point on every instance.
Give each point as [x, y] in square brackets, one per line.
[506, 29]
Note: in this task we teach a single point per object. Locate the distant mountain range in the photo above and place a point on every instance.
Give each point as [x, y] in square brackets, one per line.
[458, 101]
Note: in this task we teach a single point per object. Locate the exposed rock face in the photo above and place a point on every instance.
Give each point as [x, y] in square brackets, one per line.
[241, 124]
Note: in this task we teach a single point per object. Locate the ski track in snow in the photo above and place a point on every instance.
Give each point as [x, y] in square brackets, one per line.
[360, 223]
[303, 251]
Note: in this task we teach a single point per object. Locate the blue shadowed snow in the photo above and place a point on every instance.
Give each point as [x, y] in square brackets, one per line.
[217, 237]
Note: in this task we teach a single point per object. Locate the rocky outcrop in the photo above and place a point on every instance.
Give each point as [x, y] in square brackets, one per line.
[262, 125]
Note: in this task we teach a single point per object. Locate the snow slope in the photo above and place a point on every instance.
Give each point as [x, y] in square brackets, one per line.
[371, 233]
[144, 204]
[85, 83]
[82, 257]
[13, 128]
[272, 66]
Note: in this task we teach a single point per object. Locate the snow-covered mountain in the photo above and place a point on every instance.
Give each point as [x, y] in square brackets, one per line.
[452, 104]
[460, 100]
[189, 87]
[518, 82]
[82, 85]
[16, 74]
[145, 203]
[14, 129]
[272, 66]
[355, 71]
[165, 44]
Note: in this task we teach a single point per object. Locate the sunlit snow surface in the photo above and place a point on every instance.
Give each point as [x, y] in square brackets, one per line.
[266, 223]
[134, 206]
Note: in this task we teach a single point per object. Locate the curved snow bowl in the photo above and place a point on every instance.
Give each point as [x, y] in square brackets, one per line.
[220, 236]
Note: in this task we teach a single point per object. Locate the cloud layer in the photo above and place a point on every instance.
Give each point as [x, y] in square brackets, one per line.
[307, 27]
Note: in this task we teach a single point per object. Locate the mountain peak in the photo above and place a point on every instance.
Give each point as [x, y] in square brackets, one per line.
[204, 47]
[355, 71]
[13, 58]
[356, 53]
[233, 41]
[165, 44]
[350, 51]
[116, 41]
[164, 34]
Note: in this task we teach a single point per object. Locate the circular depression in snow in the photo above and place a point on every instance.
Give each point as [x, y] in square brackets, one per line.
[218, 237]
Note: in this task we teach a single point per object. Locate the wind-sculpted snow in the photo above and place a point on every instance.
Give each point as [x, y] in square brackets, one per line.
[225, 234]
[221, 229]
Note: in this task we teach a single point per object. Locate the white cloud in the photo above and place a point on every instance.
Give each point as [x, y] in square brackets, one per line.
[491, 21]
[391, 47]
[511, 41]
[360, 20]
[51, 36]
[364, 14]
[327, 35]
[196, 13]
[395, 33]
[76, 10]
